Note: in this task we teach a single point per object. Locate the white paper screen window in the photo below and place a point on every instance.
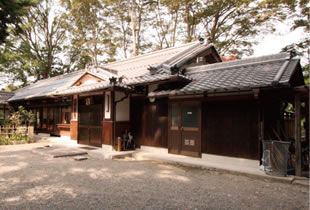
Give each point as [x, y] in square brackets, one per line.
[107, 105]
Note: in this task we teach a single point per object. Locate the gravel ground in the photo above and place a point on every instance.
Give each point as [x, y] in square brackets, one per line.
[34, 181]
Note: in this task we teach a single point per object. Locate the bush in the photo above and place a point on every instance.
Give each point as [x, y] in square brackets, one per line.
[22, 117]
[5, 122]
[16, 139]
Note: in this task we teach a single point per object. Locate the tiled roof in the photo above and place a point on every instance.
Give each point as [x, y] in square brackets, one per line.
[138, 65]
[151, 78]
[259, 72]
[47, 87]
[129, 68]
[164, 70]
[4, 96]
[91, 87]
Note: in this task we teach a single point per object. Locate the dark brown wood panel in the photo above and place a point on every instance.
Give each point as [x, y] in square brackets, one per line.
[74, 130]
[121, 127]
[107, 129]
[149, 122]
[90, 124]
[184, 128]
[230, 128]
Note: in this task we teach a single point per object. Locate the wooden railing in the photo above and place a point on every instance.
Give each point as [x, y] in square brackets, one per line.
[8, 131]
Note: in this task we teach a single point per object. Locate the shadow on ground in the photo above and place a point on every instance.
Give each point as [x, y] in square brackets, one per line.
[29, 180]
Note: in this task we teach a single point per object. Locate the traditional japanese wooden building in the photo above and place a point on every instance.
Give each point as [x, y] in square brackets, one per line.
[4, 105]
[182, 99]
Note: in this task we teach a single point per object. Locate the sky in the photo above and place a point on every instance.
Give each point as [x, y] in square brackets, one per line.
[273, 43]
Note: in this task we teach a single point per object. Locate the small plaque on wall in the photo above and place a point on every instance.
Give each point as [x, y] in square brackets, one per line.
[189, 142]
[192, 142]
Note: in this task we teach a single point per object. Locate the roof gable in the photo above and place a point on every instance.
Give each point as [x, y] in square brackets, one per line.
[87, 79]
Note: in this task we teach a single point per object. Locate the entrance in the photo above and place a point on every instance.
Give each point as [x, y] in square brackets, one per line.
[90, 128]
[184, 127]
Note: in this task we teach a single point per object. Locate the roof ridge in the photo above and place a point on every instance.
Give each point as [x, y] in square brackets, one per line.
[147, 54]
[239, 63]
[181, 54]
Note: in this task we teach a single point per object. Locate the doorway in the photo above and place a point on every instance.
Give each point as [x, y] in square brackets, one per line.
[184, 126]
[90, 128]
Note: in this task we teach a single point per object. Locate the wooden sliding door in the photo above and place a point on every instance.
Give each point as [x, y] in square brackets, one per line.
[185, 129]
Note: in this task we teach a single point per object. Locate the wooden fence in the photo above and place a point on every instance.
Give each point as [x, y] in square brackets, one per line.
[8, 131]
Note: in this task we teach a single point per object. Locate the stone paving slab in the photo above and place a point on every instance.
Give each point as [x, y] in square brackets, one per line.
[58, 151]
[194, 162]
[211, 164]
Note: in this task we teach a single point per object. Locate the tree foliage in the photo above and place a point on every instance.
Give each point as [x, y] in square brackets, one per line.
[11, 13]
[22, 117]
[92, 32]
[35, 52]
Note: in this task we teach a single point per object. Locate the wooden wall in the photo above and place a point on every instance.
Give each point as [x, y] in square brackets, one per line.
[149, 122]
[74, 130]
[230, 128]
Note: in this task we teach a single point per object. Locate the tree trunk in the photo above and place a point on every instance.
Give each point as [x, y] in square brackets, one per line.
[175, 28]
[188, 27]
[133, 17]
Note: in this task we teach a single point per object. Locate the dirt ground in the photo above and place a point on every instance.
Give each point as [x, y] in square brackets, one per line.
[33, 181]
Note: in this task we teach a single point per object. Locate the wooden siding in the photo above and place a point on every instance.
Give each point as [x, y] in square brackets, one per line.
[230, 128]
[149, 122]
[107, 130]
[74, 130]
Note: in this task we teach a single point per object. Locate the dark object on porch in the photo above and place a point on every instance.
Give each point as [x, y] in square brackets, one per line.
[275, 157]
[126, 142]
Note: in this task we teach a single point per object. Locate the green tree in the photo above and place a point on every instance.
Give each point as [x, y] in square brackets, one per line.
[90, 33]
[300, 13]
[232, 25]
[166, 20]
[35, 52]
[11, 13]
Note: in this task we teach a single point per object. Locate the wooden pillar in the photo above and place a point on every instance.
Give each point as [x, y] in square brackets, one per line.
[113, 110]
[107, 125]
[307, 127]
[260, 125]
[74, 123]
[297, 134]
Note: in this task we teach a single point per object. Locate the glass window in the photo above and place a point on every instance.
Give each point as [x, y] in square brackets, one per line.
[1, 113]
[38, 119]
[51, 118]
[7, 114]
[67, 117]
[44, 118]
[174, 116]
[190, 116]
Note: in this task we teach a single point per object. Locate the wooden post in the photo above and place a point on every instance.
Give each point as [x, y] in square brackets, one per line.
[113, 112]
[297, 134]
[307, 127]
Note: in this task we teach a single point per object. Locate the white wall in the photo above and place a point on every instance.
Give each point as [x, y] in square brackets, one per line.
[122, 108]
